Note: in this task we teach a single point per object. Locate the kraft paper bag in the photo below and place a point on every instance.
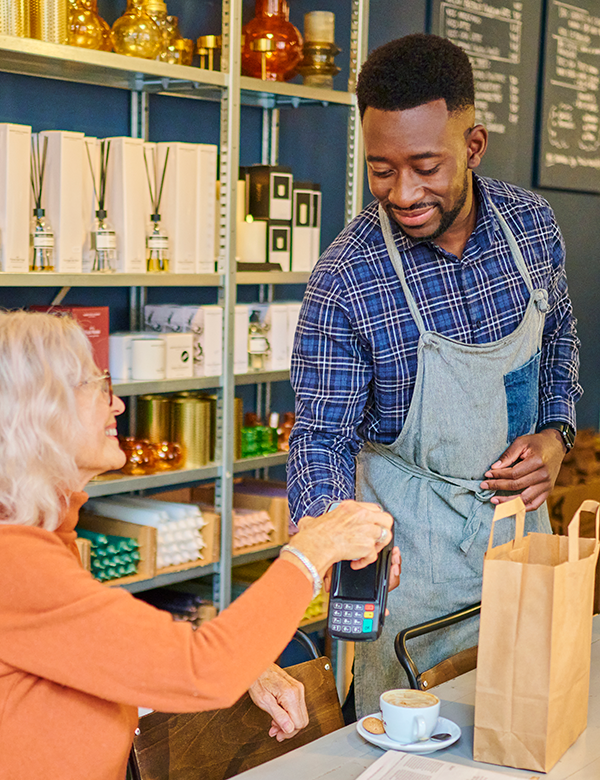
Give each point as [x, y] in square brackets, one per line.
[533, 667]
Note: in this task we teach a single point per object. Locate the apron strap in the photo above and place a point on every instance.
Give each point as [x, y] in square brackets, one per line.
[397, 263]
[470, 485]
[514, 248]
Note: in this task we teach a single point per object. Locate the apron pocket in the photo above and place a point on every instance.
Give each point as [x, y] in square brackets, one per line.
[522, 392]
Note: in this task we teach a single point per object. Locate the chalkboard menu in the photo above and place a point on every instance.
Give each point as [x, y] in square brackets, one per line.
[493, 33]
[569, 146]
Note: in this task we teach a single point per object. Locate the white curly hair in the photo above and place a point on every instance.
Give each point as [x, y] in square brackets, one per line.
[42, 358]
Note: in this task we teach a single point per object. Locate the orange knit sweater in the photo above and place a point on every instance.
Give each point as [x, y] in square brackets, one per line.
[78, 658]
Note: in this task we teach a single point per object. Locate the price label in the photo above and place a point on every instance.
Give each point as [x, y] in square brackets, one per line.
[158, 243]
[104, 240]
[43, 240]
[257, 345]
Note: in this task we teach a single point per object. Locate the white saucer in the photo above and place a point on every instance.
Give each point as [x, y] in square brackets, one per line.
[443, 726]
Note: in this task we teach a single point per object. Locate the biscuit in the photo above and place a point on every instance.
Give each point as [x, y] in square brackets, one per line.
[373, 725]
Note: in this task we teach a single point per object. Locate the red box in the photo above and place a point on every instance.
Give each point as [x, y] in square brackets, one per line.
[95, 322]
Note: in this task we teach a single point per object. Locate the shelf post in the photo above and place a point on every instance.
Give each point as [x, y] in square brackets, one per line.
[228, 176]
[359, 39]
[140, 111]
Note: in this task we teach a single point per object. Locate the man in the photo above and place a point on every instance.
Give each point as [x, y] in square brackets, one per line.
[435, 363]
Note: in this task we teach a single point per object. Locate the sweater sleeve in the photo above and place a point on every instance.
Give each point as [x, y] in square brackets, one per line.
[58, 623]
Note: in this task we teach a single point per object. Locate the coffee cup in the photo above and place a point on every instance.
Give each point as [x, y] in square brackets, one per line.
[409, 715]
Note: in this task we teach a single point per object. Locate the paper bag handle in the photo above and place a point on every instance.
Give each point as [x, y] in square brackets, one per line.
[573, 531]
[514, 507]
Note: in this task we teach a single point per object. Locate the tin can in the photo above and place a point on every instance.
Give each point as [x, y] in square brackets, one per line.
[14, 18]
[49, 20]
[153, 418]
[190, 427]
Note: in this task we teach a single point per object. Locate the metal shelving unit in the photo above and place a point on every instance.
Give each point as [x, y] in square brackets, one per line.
[142, 77]
[134, 388]
[170, 578]
[113, 485]
[52, 279]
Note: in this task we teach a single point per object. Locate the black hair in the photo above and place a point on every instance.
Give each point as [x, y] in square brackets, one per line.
[414, 70]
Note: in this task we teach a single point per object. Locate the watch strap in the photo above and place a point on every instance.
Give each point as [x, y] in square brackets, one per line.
[566, 431]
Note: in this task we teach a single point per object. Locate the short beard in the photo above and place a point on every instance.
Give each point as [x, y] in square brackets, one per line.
[448, 217]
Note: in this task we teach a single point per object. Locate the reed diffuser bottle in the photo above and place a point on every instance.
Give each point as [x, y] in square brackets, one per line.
[157, 240]
[258, 345]
[104, 238]
[272, 45]
[41, 237]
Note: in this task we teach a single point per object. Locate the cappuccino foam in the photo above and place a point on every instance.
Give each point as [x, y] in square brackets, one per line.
[410, 698]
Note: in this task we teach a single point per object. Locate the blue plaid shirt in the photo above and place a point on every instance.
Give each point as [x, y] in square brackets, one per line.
[354, 361]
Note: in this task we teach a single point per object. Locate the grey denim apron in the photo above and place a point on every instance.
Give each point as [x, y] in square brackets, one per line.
[469, 403]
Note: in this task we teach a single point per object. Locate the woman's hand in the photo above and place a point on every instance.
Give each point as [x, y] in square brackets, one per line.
[354, 531]
[282, 697]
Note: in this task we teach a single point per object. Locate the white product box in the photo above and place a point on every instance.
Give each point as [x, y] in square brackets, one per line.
[62, 197]
[179, 355]
[302, 230]
[205, 323]
[206, 221]
[15, 204]
[275, 317]
[89, 203]
[280, 202]
[293, 315]
[157, 318]
[179, 205]
[240, 346]
[119, 353]
[250, 237]
[128, 202]
[148, 360]
[280, 245]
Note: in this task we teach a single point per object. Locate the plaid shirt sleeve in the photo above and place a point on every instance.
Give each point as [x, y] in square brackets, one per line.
[331, 372]
[559, 365]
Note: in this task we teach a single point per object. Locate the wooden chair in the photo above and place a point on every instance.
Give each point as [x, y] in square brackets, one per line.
[219, 744]
[447, 669]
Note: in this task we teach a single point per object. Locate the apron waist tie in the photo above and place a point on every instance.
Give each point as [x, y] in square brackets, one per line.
[473, 521]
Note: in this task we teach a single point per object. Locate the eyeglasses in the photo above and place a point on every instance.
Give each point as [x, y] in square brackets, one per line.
[106, 386]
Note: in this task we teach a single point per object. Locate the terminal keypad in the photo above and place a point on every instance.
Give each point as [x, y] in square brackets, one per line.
[352, 618]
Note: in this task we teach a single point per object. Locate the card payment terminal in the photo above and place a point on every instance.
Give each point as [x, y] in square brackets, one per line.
[358, 598]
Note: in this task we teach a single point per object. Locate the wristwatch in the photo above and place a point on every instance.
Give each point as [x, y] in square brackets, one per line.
[566, 431]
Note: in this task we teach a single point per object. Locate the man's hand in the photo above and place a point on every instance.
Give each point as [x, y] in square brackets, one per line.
[529, 467]
[282, 697]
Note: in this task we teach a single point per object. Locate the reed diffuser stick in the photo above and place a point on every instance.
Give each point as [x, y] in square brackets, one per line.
[156, 192]
[38, 168]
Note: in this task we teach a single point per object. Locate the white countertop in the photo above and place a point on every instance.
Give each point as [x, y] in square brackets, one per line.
[344, 754]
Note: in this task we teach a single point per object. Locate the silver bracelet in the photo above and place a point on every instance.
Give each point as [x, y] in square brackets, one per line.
[317, 581]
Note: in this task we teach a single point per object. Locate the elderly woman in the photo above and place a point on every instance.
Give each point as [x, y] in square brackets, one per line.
[78, 658]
